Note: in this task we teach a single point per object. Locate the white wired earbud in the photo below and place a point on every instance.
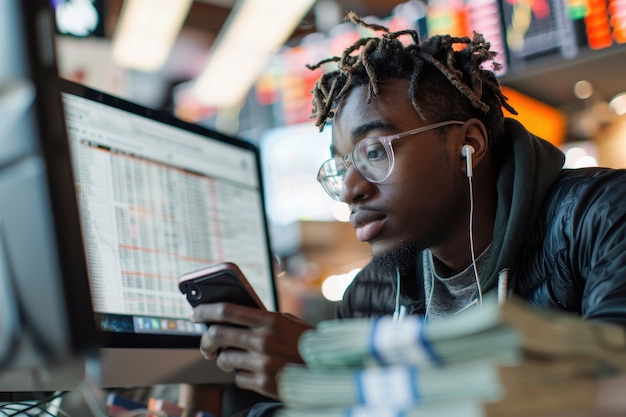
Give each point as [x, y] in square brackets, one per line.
[467, 151]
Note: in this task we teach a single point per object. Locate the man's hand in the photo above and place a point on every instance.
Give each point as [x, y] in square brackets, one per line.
[258, 350]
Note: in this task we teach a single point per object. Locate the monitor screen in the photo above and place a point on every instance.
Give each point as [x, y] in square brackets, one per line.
[158, 198]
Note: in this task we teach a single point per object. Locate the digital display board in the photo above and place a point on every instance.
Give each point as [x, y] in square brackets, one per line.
[538, 28]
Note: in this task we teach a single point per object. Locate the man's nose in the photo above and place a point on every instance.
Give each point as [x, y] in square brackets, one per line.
[355, 187]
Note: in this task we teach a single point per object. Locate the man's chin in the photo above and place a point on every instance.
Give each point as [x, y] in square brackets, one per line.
[383, 247]
[400, 257]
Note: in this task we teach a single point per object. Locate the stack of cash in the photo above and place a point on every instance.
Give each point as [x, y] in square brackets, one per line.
[500, 360]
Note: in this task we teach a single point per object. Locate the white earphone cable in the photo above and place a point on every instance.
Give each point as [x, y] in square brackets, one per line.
[396, 311]
[471, 239]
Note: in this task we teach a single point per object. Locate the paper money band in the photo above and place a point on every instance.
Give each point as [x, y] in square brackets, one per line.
[402, 342]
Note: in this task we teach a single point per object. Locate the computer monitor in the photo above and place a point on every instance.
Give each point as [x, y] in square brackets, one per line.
[44, 292]
[158, 198]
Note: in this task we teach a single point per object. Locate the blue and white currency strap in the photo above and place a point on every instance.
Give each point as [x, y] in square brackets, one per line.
[451, 409]
[402, 342]
[388, 387]
[360, 411]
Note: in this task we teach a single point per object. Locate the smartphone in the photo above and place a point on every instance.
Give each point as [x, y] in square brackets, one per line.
[218, 283]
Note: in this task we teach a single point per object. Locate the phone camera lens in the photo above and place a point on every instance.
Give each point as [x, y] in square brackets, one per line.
[195, 293]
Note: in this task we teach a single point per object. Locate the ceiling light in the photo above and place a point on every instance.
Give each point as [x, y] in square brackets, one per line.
[76, 18]
[146, 32]
[252, 34]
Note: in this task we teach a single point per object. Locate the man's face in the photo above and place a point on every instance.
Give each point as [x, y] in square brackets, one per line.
[424, 199]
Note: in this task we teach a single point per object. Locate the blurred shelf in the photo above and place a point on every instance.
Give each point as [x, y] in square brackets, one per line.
[551, 79]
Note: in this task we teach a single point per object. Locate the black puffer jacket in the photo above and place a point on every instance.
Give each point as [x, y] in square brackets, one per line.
[561, 233]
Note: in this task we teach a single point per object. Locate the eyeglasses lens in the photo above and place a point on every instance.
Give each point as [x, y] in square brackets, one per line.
[331, 176]
[371, 159]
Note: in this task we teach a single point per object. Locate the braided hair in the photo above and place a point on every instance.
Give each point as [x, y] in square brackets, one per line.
[445, 81]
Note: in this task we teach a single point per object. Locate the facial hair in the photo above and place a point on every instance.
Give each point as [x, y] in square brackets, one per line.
[401, 258]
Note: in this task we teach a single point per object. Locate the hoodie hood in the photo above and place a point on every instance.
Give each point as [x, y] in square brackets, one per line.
[525, 177]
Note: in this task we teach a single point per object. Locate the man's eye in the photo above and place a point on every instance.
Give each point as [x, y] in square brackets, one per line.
[375, 152]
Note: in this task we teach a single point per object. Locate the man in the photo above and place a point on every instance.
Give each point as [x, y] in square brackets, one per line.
[454, 200]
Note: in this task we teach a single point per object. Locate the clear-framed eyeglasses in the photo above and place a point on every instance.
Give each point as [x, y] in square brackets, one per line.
[373, 157]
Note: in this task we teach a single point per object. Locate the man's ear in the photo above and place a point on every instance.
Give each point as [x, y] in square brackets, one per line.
[474, 146]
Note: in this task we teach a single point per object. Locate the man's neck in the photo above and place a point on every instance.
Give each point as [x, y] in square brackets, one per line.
[455, 254]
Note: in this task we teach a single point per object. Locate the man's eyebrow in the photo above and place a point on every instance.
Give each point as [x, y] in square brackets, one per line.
[362, 130]
[365, 128]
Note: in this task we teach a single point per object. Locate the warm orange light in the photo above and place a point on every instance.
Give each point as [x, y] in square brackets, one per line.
[597, 25]
[542, 120]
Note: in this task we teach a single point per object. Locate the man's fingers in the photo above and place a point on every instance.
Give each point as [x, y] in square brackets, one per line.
[239, 360]
[219, 336]
[229, 313]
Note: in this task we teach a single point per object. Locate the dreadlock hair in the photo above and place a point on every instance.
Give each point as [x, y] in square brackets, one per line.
[445, 81]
